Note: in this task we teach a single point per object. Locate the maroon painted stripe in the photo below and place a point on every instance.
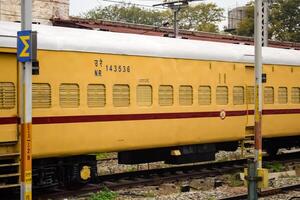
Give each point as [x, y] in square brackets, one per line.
[281, 111]
[130, 117]
[148, 116]
[9, 120]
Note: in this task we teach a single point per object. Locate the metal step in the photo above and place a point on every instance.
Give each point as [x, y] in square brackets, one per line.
[9, 175]
[9, 167]
[9, 186]
[9, 164]
[10, 143]
[9, 155]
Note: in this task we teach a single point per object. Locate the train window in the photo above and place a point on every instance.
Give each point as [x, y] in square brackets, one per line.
[282, 95]
[185, 95]
[250, 94]
[295, 95]
[96, 95]
[41, 95]
[269, 95]
[222, 95]
[69, 95]
[238, 95]
[7, 95]
[165, 95]
[144, 95]
[121, 95]
[204, 95]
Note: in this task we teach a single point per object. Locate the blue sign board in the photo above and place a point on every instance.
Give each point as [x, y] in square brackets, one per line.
[24, 46]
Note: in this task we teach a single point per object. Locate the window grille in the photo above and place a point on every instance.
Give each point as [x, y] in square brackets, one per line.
[144, 95]
[7, 95]
[121, 95]
[165, 95]
[222, 95]
[185, 95]
[238, 95]
[269, 95]
[282, 95]
[69, 95]
[96, 95]
[295, 95]
[250, 94]
[204, 95]
[41, 95]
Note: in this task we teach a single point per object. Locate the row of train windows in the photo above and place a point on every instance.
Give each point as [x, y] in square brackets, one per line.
[69, 95]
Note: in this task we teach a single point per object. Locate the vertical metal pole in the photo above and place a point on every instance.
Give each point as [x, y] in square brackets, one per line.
[258, 83]
[26, 119]
[252, 184]
[175, 22]
[257, 162]
[265, 14]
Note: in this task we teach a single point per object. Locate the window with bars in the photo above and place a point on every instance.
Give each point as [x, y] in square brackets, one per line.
[7, 95]
[282, 95]
[165, 95]
[238, 95]
[144, 95]
[96, 95]
[185, 95]
[222, 95]
[296, 95]
[121, 95]
[204, 95]
[250, 94]
[69, 96]
[269, 95]
[41, 95]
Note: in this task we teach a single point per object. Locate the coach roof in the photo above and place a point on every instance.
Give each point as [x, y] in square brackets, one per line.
[70, 39]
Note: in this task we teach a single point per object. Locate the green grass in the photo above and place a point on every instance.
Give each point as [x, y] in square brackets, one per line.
[104, 194]
[149, 194]
[275, 167]
[100, 156]
[233, 180]
[131, 169]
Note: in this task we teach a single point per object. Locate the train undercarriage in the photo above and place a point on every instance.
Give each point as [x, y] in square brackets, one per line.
[79, 170]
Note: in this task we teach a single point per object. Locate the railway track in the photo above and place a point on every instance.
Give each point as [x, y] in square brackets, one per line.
[162, 175]
[268, 192]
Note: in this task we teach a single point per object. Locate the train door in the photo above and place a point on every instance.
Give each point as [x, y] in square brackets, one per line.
[8, 98]
[249, 85]
[248, 142]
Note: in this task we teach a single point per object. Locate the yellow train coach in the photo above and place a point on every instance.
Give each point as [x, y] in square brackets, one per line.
[148, 98]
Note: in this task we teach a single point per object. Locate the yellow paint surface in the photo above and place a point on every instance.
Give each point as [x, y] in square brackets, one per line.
[82, 138]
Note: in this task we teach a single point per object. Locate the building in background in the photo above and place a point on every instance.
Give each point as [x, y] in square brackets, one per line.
[235, 16]
[43, 10]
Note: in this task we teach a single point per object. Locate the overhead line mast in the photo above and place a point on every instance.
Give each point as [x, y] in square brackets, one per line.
[175, 6]
[257, 176]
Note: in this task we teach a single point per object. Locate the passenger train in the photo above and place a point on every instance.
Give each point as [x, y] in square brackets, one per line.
[147, 98]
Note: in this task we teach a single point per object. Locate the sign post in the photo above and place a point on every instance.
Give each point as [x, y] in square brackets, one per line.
[24, 51]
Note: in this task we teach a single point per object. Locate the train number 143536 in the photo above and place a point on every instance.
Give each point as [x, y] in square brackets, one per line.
[101, 66]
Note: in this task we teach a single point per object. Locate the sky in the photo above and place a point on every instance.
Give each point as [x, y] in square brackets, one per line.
[78, 7]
